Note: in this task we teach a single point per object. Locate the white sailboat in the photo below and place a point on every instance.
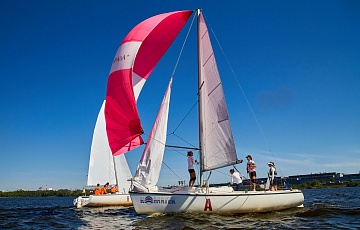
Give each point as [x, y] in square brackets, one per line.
[104, 167]
[148, 41]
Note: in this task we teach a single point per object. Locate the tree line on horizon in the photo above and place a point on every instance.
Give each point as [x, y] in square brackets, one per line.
[41, 193]
[66, 192]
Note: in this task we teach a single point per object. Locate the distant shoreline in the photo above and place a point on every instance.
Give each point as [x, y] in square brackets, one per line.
[41, 193]
[75, 193]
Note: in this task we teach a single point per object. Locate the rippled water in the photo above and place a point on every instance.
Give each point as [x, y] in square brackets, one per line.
[337, 208]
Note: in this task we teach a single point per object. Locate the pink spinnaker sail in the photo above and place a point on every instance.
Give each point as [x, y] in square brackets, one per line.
[135, 59]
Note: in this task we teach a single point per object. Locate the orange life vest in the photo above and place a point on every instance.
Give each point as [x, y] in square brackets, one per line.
[97, 190]
[114, 189]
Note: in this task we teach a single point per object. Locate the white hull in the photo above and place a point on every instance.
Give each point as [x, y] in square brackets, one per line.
[216, 201]
[104, 200]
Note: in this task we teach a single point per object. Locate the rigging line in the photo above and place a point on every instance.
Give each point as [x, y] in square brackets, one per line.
[244, 95]
[172, 171]
[163, 160]
[240, 173]
[185, 117]
[242, 91]
[175, 150]
[183, 140]
[182, 48]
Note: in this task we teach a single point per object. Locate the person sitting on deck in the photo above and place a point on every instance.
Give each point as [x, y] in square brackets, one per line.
[114, 189]
[104, 190]
[97, 190]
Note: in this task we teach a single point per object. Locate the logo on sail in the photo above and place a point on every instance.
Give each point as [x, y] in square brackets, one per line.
[121, 58]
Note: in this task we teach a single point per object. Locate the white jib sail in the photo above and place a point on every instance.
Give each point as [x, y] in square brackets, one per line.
[217, 143]
[101, 165]
[149, 167]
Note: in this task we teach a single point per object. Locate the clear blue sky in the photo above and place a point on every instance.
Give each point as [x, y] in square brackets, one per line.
[297, 61]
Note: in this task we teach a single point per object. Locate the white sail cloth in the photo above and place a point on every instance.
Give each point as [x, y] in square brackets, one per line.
[149, 167]
[217, 143]
[101, 165]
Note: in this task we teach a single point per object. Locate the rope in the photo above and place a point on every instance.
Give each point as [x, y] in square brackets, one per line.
[185, 117]
[244, 95]
[182, 48]
[172, 171]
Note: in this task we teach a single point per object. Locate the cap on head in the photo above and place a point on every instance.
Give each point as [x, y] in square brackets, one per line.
[248, 156]
[271, 163]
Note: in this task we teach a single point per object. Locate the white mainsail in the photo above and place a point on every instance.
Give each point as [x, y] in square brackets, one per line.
[149, 167]
[101, 165]
[217, 143]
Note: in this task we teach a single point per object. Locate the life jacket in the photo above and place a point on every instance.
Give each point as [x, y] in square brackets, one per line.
[113, 189]
[97, 190]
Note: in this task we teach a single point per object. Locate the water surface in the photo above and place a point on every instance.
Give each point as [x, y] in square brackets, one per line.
[336, 208]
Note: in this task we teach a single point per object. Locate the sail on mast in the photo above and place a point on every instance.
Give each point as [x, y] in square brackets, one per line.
[217, 143]
[102, 163]
[135, 59]
[148, 170]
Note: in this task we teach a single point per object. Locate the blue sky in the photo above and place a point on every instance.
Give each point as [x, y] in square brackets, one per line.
[298, 63]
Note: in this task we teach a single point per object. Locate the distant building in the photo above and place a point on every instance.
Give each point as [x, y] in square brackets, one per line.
[329, 177]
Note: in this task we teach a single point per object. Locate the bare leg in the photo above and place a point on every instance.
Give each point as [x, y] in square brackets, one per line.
[254, 184]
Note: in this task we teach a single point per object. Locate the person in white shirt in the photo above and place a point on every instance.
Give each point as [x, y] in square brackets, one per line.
[191, 170]
[235, 179]
[272, 176]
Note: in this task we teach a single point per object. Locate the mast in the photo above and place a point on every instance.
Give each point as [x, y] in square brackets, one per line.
[200, 101]
[116, 177]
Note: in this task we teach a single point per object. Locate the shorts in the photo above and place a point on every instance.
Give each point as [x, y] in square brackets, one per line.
[272, 182]
[252, 176]
[192, 175]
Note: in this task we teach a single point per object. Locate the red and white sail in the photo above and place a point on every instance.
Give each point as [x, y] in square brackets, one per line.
[103, 166]
[135, 59]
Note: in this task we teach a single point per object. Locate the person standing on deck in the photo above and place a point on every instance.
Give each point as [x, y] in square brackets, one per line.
[272, 176]
[191, 170]
[250, 168]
